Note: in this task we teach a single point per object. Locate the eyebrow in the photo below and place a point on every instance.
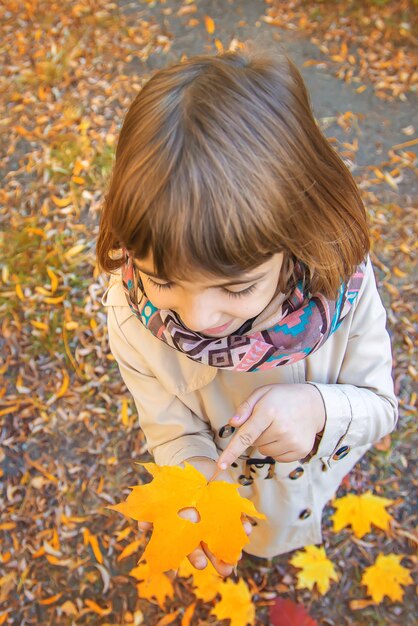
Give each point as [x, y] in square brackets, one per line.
[228, 284]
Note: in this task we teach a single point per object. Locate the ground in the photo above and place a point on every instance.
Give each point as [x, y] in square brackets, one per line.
[69, 429]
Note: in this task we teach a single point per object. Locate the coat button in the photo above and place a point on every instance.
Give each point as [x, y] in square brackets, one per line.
[226, 431]
[245, 481]
[341, 453]
[297, 473]
[305, 513]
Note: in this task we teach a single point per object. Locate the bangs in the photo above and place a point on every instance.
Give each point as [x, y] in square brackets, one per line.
[220, 164]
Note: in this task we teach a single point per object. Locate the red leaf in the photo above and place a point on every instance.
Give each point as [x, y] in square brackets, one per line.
[284, 612]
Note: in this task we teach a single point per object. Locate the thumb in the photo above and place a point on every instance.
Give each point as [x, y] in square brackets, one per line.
[245, 409]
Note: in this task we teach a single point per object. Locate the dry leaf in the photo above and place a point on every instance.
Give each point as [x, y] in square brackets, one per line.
[285, 612]
[205, 581]
[236, 603]
[360, 511]
[316, 569]
[209, 25]
[385, 578]
[174, 488]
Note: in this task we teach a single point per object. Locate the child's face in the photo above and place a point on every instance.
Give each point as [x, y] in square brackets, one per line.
[216, 307]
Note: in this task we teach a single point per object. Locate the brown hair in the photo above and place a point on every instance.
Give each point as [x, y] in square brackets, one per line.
[219, 165]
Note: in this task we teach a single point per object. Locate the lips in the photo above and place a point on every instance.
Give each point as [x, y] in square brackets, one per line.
[218, 329]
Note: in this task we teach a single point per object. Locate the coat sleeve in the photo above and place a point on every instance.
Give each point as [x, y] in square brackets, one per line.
[172, 431]
[362, 407]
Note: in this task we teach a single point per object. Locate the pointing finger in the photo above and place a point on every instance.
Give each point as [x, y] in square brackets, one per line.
[245, 409]
[243, 439]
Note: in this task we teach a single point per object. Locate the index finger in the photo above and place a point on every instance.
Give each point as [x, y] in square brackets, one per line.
[243, 439]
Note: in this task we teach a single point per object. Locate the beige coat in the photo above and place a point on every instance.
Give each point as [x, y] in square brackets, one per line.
[182, 405]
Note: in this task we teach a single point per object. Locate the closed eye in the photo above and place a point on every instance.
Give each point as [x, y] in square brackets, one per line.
[232, 294]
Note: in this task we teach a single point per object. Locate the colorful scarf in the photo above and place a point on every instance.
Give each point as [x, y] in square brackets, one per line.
[300, 325]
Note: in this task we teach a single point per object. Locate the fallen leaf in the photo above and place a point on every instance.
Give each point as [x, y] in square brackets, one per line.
[174, 488]
[360, 511]
[205, 581]
[385, 577]
[285, 612]
[156, 586]
[188, 614]
[236, 604]
[316, 569]
[209, 25]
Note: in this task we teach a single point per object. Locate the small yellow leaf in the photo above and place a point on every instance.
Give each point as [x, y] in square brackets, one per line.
[53, 278]
[19, 293]
[65, 383]
[96, 608]
[219, 46]
[236, 604]
[74, 250]
[316, 568]
[124, 412]
[39, 325]
[385, 577]
[55, 300]
[360, 512]
[130, 549]
[71, 325]
[78, 180]
[209, 25]
[399, 273]
[96, 549]
[62, 202]
[188, 614]
[51, 599]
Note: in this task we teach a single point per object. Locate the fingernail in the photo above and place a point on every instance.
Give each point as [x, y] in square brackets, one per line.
[223, 465]
[237, 418]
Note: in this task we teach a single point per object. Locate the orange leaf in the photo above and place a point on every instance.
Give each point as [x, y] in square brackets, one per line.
[157, 586]
[209, 25]
[188, 614]
[130, 549]
[95, 547]
[218, 503]
[168, 619]
[62, 202]
[51, 599]
[96, 608]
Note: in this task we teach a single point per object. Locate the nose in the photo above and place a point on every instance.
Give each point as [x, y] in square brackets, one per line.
[198, 313]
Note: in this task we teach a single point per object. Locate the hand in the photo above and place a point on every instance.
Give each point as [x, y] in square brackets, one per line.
[199, 557]
[280, 420]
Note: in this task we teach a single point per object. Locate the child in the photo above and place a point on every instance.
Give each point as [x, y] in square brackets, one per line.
[242, 307]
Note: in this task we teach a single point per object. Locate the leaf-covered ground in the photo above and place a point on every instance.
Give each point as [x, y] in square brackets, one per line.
[69, 433]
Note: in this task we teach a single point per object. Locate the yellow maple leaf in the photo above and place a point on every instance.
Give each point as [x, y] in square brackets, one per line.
[205, 581]
[316, 568]
[385, 577]
[174, 488]
[157, 586]
[236, 603]
[360, 511]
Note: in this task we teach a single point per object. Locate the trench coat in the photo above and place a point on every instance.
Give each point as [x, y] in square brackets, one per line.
[183, 406]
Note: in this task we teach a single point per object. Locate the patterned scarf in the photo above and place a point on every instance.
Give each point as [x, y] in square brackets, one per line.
[298, 327]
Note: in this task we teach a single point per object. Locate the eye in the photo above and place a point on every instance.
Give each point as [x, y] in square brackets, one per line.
[240, 294]
[159, 286]
[232, 294]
